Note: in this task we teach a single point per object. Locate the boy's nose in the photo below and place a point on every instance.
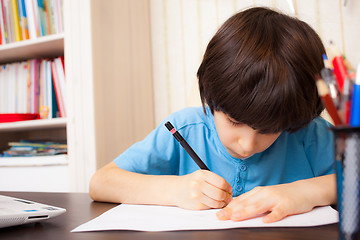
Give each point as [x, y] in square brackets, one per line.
[248, 145]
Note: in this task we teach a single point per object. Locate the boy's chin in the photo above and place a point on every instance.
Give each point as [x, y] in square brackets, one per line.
[236, 155]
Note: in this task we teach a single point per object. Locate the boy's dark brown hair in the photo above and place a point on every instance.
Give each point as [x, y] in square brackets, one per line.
[259, 69]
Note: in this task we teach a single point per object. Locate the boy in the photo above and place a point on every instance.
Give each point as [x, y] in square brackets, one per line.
[259, 130]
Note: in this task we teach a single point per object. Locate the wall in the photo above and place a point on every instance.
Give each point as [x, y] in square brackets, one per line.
[123, 93]
[181, 30]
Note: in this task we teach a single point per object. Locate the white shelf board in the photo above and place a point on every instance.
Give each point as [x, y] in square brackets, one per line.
[42, 47]
[33, 124]
[34, 161]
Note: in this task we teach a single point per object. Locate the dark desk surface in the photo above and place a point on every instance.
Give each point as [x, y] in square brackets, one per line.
[80, 209]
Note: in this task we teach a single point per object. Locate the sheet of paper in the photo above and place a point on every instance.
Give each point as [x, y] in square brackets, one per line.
[162, 218]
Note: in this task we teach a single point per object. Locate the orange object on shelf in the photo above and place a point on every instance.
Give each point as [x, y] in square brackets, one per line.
[14, 117]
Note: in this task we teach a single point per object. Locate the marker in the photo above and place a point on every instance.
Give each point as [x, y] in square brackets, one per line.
[186, 146]
[339, 67]
[355, 106]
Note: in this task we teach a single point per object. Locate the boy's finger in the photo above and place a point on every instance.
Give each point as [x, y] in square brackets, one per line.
[275, 215]
[224, 214]
[215, 193]
[211, 203]
[243, 210]
[217, 181]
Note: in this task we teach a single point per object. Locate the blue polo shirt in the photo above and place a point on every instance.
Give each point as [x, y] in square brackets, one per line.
[304, 154]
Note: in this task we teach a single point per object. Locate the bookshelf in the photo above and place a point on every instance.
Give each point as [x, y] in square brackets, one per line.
[107, 51]
[54, 168]
[33, 124]
[47, 46]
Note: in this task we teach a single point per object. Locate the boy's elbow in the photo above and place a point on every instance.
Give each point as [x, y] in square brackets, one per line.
[93, 187]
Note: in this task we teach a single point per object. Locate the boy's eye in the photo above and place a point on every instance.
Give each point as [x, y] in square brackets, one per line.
[235, 124]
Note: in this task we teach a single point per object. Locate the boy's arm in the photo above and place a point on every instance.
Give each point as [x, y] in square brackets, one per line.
[282, 200]
[199, 190]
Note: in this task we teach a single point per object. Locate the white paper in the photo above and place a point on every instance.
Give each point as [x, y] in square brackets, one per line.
[163, 218]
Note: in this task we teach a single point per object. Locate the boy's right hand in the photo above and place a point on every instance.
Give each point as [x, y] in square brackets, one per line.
[202, 190]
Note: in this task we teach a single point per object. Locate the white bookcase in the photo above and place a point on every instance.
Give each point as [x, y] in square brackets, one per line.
[107, 53]
[49, 173]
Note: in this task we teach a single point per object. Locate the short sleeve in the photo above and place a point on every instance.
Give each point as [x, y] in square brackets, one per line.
[157, 154]
[319, 147]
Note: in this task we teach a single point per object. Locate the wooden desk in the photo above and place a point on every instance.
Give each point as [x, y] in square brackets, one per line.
[80, 209]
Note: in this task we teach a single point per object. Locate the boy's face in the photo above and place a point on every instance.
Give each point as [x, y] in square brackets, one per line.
[240, 140]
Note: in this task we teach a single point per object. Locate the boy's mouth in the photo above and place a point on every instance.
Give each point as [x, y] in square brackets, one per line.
[236, 155]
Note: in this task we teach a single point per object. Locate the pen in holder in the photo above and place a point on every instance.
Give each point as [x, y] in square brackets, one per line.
[347, 164]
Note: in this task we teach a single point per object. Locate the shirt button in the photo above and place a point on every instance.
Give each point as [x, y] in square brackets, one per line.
[243, 168]
[237, 179]
[239, 188]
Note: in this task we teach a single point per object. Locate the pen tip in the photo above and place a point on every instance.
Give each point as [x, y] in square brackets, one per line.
[169, 126]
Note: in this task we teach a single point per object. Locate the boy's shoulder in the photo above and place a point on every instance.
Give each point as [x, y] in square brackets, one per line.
[317, 127]
[190, 117]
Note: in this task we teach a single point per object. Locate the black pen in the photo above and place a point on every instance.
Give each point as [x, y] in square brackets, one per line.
[186, 146]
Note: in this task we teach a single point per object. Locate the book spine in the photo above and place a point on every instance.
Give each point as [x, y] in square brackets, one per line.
[8, 20]
[42, 18]
[3, 22]
[30, 18]
[23, 20]
[16, 21]
[58, 92]
[61, 74]
[49, 19]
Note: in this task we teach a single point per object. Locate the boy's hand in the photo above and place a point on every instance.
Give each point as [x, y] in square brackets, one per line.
[276, 202]
[202, 190]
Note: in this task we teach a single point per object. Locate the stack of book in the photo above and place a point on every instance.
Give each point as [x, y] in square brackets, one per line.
[34, 148]
[29, 19]
[35, 86]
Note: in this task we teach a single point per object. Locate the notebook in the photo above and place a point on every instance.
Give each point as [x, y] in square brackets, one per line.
[16, 211]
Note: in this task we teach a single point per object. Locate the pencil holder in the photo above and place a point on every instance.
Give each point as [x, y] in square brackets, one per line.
[347, 165]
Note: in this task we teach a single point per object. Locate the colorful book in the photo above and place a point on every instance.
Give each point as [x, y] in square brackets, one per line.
[23, 19]
[29, 7]
[54, 102]
[58, 92]
[3, 23]
[42, 18]
[37, 18]
[1, 34]
[33, 86]
[49, 16]
[59, 62]
[9, 20]
[16, 20]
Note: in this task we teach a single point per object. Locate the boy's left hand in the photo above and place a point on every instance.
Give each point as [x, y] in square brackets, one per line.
[276, 202]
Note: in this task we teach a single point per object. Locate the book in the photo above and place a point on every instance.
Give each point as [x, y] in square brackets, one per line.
[32, 87]
[60, 85]
[58, 92]
[49, 17]
[0, 35]
[42, 18]
[35, 148]
[9, 20]
[3, 24]
[37, 18]
[23, 19]
[14, 117]
[29, 7]
[16, 21]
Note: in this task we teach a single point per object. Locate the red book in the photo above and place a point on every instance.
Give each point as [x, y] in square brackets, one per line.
[14, 117]
[0, 35]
